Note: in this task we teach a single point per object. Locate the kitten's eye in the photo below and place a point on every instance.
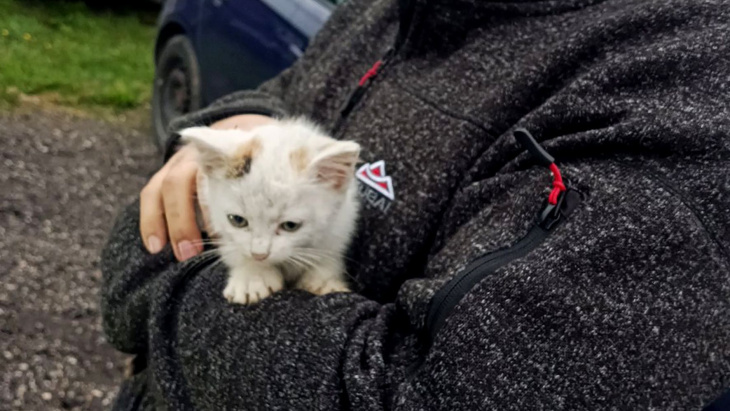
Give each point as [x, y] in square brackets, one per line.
[237, 221]
[290, 226]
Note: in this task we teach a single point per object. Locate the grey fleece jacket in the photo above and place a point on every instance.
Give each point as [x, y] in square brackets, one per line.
[623, 304]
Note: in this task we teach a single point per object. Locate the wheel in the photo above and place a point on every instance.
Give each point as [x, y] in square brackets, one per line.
[176, 88]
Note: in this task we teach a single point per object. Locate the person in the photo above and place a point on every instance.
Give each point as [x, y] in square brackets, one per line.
[478, 283]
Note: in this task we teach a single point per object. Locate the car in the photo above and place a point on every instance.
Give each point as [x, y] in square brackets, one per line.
[206, 49]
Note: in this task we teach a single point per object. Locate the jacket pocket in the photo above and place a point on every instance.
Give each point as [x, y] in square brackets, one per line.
[448, 296]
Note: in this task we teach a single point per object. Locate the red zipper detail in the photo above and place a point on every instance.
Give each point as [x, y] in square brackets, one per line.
[558, 186]
[528, 142]
[370, 73]
[359, 90]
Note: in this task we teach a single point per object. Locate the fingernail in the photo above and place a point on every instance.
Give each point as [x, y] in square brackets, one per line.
[187, 250]
[153, 244]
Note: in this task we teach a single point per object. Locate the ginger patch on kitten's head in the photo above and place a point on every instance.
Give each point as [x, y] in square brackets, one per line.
[240, 162]
[224, 154]
[299, 159]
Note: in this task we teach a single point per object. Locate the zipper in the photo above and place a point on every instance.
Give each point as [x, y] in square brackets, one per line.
[446, 298]
[363, 85]
[407, 12]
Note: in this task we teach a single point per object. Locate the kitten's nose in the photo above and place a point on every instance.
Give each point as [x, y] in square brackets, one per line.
[259, 256]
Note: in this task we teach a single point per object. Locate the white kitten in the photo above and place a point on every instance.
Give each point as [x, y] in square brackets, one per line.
[282, 205]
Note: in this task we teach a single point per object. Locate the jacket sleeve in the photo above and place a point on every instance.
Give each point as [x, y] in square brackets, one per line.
[291, 351]
[129, 274]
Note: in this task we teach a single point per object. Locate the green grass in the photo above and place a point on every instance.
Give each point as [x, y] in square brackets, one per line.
[75, 57]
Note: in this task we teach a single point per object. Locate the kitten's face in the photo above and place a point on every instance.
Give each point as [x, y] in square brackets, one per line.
[269, 220]
[271, 193]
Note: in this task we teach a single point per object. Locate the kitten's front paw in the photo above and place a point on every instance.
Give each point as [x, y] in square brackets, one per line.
[322, 287]
[251, 289]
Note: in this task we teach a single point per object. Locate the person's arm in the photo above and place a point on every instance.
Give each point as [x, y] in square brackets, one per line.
[291, 350]
[129, 274]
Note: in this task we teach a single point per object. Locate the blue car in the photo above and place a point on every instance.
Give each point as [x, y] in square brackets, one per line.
[206, 49]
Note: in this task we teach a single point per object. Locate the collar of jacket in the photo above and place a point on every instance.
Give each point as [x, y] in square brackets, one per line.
[441, 25]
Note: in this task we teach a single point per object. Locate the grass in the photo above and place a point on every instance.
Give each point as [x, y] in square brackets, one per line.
[63, 52]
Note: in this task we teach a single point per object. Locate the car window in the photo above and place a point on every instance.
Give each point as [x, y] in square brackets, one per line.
[284, 8]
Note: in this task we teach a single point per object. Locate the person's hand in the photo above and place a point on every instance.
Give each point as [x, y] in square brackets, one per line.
[167, 202]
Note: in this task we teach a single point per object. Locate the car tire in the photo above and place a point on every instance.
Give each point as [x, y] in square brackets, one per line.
[176, 88]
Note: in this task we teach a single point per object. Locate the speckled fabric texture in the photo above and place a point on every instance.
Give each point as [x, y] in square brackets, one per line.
[626, 305]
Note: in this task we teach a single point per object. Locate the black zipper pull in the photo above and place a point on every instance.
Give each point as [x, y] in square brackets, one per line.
[528, 142]
[544, 158]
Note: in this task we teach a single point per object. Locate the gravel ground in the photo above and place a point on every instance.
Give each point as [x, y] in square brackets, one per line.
[62, 180]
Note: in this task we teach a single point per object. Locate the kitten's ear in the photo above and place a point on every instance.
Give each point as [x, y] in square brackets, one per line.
[335, 165]
[211, 147]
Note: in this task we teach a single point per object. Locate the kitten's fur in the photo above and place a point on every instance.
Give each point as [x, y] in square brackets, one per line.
[288, 171]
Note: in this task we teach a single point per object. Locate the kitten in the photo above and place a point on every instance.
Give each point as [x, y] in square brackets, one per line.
[281, 203]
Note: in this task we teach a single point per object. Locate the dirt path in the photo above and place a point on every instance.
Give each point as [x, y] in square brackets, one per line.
[62, 179]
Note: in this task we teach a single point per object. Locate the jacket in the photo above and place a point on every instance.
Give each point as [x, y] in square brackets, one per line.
[472, 291]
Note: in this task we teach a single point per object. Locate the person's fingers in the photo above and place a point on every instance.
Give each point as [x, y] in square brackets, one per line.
[178, 196]
[152, 226]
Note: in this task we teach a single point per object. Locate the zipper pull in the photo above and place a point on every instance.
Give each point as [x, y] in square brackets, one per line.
[528, 142]
[562, 201]
[551, 214]
[362, 85]
[544, 158]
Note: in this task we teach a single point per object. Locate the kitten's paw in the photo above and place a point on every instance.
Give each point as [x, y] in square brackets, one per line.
[322, 287]
[251, 290]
